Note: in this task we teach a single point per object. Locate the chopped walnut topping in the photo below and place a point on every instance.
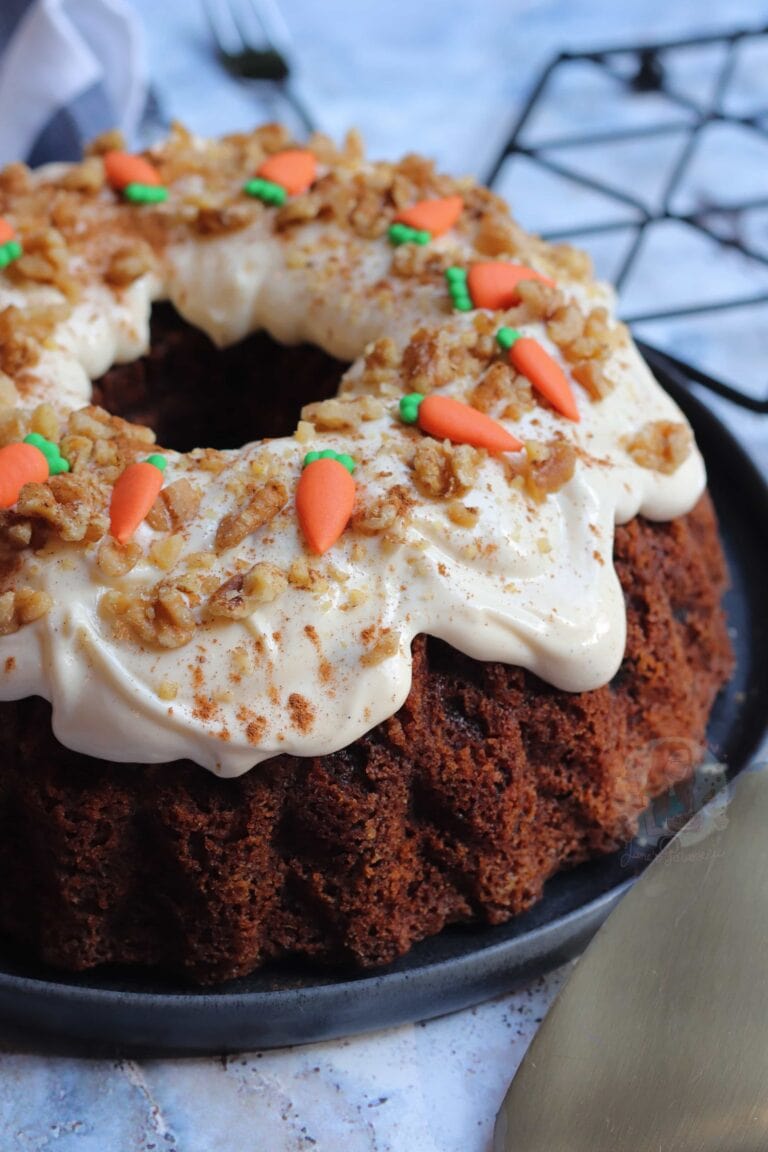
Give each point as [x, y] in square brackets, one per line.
[380, 371]
[9, 397]
[414, 262]
[168, 690]
[45, 421]
[661, 445]
[298, 210]
[342, 412]
[218, 221]
[503, 392]
[20, 607]
[565, 325]
[116, 559]
[304, 432]
[262, 506]
[239, 596]
[73, 506]
[436, 357]
[15, 533]
[111, 141]
[181, 500]
[14, 424]
[159, 518]
[164, 553]
[387, 645]
[85, 177]
[545, 468]
[161, 617]
[301, 574]
[462, 515]
[382, 514]
[76, 449]
[19, 346]
[130, 261]
[591, 375]
[443, 470]
[45, 261]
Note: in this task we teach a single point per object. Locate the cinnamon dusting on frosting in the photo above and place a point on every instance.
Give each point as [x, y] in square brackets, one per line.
[299, 652]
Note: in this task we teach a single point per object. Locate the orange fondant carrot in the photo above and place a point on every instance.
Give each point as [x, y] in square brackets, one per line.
[449, 419]
[495, 284]
[325, 497]
[122, 169]
[134, 493]
[295, 170]
[20, 464]
[545, 374]
[433, 216]
[7, 231]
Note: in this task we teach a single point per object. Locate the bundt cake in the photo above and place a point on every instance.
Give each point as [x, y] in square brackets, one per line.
[350, 556]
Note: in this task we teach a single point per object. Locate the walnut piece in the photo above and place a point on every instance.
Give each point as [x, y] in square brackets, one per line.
[661, 445]
[261, 507]
[20, 607]
[383, 513]
[386, 646]
[128, 263]
[341, 412]
[444, 470]
[545, 468]
[503, 392]
[181, 499]
[74, 507]
[161, 617]
[239, 596]
[116, 559]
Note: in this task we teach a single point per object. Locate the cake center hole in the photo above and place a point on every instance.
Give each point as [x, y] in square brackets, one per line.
[195, 395]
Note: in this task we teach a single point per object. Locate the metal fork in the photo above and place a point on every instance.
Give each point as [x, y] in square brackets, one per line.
[253, 44]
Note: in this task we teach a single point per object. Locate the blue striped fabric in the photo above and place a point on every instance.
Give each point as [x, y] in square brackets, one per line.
[68, 127]
[11, 11]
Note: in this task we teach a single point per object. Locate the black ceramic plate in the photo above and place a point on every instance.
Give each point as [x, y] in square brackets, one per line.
[461, 966]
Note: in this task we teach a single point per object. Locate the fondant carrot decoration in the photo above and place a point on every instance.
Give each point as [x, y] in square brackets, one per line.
[134, 493]
[134, 177]
[292, 171]
[449, 419]
[423, 221]
[533, 361]
[20, 464]
[31, 461]
[325, 497]
[295, 170]
[493, 284]
[10, 248]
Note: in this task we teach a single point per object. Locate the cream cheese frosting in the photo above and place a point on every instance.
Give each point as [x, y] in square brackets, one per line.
[523, 581]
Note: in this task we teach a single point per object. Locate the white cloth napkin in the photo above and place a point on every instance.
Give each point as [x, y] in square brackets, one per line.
[69, 69]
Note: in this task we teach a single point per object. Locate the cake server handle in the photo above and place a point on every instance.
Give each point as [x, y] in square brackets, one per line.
[659, 1040]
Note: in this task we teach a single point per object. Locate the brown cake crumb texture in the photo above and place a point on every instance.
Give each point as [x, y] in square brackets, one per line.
[458, 808]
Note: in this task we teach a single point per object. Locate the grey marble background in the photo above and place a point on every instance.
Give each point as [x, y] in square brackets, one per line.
[444, 78]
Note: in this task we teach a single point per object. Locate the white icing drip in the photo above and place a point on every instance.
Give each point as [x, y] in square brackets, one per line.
[528, 585]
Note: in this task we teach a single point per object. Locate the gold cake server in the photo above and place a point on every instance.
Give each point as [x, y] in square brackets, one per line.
[659, 1040]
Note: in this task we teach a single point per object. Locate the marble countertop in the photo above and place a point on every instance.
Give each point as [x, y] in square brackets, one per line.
[445, 79]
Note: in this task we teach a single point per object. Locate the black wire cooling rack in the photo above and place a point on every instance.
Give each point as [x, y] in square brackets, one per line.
[648, 73]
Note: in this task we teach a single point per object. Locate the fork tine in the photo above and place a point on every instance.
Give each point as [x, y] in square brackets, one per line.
[260, 43]
[226, 43]
[279, 36]
[273, 24]
[264, 59]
